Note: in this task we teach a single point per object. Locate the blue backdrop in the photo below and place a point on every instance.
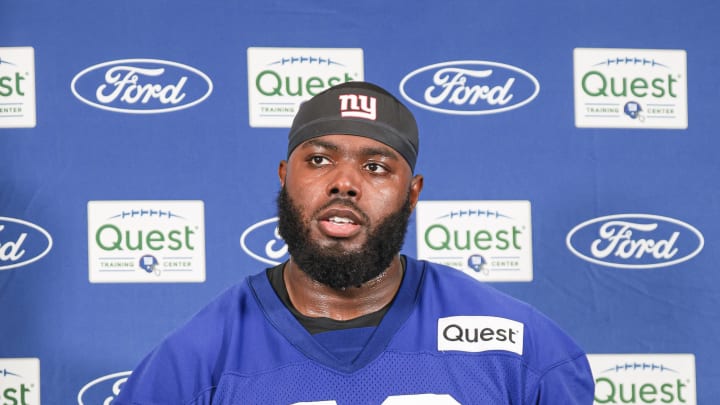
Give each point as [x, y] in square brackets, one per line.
[139, 144]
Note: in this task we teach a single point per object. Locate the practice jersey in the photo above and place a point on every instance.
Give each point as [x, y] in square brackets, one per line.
[446, 339]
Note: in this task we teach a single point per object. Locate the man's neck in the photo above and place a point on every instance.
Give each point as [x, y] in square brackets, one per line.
[315, 299]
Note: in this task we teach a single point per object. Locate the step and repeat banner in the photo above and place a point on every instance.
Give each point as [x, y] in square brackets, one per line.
[569, 149]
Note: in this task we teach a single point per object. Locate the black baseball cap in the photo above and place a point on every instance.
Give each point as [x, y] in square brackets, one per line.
[361, 109]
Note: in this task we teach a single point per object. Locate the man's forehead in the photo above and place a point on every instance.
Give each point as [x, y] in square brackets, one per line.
[358, 143]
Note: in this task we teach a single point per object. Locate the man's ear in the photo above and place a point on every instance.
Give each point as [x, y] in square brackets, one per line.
[282, 171]
[416, 185]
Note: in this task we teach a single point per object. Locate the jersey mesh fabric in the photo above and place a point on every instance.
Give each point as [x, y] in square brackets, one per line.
[469, 379]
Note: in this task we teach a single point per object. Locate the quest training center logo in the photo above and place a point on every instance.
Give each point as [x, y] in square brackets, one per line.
[469, 87]
[630, 88]
[635, 241]
[141, 86]
[22, 243]
[17, 87]
[146, 241]
[102, 390]
[644, 378]
[20, 381]
[279, 79]
[262, 242]
[489, 240]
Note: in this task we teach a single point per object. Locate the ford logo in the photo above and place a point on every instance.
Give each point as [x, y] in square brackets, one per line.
[103, 390]
[635, 241]
[264, 237]
[141, 86]
[21, 243]
[469, 87]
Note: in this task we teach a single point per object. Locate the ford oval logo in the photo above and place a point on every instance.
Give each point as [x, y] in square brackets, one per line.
[263, 242]
[469, 87]
[141, 86]
[635, 241]
[102, 391]
[22, 243]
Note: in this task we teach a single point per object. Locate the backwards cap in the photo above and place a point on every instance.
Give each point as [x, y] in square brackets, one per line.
[361, 109]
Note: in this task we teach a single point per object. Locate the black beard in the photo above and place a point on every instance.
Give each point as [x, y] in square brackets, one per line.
[333, 265]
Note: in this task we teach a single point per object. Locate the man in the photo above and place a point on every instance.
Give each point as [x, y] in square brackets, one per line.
[348, 320]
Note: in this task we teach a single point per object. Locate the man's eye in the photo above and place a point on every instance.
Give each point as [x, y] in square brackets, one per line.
[319, 160]
[375, 168]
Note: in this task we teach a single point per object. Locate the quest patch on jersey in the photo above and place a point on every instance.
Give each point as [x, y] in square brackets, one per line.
[480, 334]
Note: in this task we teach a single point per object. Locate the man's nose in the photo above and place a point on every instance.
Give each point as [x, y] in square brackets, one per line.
[345, 182]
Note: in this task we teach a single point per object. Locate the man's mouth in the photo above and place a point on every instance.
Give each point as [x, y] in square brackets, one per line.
[341, 220]
[340, 223]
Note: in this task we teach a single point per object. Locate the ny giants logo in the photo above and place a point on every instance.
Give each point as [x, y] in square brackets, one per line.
[358, 106]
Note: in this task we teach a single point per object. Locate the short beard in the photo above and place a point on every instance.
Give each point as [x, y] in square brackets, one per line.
[333, 265]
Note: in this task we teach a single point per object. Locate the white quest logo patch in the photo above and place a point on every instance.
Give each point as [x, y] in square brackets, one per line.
[279, 79]
[644, 378]
[480, 334]
[17, 87]
[20, 380]
[146, 241]
[630, 88]
[488, 240]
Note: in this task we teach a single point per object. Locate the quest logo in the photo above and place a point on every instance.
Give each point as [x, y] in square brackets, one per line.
[22, 243]
[146, 241]
[644, 378]
[20, 381]
[480, 334]
[635, 241]
[17, 87]
[102, 390]
[630, 88]
[489, 240]
[263, 242]
[141, 86]
[469, 87]
[279, 79]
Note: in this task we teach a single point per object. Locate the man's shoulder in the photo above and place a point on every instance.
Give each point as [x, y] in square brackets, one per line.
[464, 291]
[461, 302]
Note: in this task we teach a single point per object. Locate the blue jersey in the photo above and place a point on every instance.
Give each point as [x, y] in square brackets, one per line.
[446, 339]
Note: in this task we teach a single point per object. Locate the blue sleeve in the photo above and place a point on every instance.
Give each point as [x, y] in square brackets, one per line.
[184, 368]
[167, 377]
[569, 383]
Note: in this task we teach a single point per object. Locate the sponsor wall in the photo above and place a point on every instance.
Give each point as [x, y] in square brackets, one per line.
[568, 151]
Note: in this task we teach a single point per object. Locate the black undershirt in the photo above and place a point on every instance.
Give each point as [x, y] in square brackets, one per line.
[323, 324]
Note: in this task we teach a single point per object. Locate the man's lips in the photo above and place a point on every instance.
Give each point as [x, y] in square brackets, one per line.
[339, 223]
